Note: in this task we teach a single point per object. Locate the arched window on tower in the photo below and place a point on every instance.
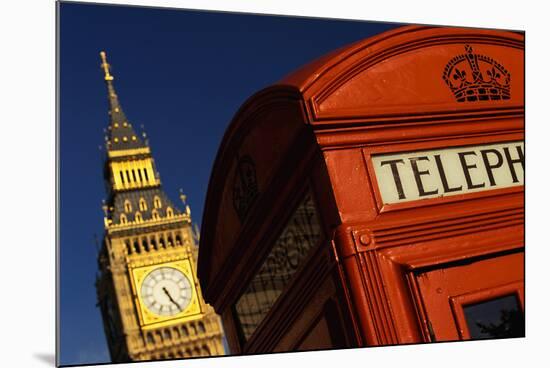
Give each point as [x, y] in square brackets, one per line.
[123, 218]
[128, 246]
[142, 205]
[177, 333]
[157, 203]
[127, 206]
[145, 244]
[138, 217]
[155, 215]
[169, 212]
[159, 336]
[184, 331]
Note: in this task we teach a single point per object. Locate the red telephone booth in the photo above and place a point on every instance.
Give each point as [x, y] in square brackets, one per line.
[374, 197]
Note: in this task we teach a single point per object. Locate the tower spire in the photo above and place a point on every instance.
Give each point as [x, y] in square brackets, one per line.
[106, 66]
[162, 241]
[121, 134]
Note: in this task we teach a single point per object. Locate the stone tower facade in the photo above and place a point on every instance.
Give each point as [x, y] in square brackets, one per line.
[147, 287]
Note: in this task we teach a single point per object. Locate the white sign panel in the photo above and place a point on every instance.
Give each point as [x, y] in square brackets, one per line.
[411, 176]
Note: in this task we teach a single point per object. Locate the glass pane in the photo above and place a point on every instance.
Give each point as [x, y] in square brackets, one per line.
[496, 318]
[299, 236]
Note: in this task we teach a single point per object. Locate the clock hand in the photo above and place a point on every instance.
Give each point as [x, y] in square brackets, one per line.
[170, 297]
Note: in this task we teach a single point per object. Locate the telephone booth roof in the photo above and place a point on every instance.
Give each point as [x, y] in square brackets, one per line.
[413, 73]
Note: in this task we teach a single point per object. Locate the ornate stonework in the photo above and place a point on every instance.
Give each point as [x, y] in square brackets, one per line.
[147, 287]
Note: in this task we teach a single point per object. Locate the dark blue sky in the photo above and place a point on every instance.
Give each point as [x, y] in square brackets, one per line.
[183, 75]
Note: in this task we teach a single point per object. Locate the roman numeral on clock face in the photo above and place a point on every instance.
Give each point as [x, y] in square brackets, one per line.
[166, 291]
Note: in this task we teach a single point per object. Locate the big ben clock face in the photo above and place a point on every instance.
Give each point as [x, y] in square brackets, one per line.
[166, 291]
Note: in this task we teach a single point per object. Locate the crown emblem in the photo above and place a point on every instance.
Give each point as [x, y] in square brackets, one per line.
[475, 77]
[245, 186]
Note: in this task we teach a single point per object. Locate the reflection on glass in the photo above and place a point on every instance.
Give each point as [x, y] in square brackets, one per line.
[299, 236]
[496, 318]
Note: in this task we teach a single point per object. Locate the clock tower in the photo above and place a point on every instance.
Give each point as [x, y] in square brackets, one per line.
[147, 287]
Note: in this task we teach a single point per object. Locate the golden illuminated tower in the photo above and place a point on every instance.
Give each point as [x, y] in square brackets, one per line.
[147, 287]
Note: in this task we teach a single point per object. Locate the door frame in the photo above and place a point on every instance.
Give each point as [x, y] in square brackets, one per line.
[457, 302]
[446, 290]
[398, 267]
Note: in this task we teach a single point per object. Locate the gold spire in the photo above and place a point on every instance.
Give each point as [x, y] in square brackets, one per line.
[105, 66]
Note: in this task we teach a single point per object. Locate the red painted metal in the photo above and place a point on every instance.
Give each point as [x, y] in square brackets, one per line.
[319, 129]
